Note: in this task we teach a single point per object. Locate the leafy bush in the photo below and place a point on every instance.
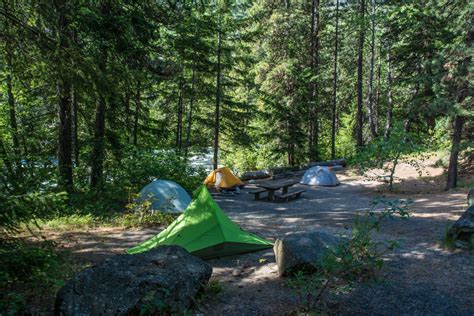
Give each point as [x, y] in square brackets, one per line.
[25, 269]
[30, 207]
[356, 258]
[257, 157]
[139, 167]
[386, 154]
[139, 219]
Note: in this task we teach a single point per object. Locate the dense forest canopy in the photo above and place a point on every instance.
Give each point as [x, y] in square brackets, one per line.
[101, 96]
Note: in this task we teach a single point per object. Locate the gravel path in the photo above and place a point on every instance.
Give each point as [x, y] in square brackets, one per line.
[420, 278]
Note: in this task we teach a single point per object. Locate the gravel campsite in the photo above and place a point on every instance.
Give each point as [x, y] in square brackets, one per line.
[420, 277]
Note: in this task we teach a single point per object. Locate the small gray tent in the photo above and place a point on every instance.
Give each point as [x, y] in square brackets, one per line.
[322, 176]
[165, 196]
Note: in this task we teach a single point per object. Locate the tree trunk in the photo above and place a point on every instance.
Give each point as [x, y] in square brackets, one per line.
[314, 65]
[179, 123]
[388, 123]
[6, 161]
[64, 104]
[334, 89]
[12, 109]
[378, 90]
[128, 113]
[370, 107]
[190, 114]
[138, 103]
[65, 136]
[75, 131]
[10, 96]
[453, 158]
[98, 149]
[359, 139]
[218, 99]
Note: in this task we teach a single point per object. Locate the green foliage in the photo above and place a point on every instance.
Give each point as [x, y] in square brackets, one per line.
[125, 220]
[260, 157]
[209, 292]
[387, 153]
[139, 167]
[138, 219]
[357, 257]
[30, 207]
[28, 269]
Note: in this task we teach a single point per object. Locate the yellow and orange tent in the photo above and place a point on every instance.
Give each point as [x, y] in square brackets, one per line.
[227, 179]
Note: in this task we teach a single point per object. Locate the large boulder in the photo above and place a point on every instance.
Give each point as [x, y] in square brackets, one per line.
[462, 231]
[302, 251]
[160, 281]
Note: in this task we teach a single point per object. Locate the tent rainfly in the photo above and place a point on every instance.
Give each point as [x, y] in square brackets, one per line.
[165, 196]
[205, 231]
[222, 178]
[322, 176]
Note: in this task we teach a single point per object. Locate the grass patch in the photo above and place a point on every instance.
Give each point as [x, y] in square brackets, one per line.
[209, 293]
[125, 220]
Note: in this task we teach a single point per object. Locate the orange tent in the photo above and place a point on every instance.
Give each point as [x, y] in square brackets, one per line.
[227, 179]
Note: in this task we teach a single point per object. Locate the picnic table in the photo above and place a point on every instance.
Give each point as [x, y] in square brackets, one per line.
[272, 186]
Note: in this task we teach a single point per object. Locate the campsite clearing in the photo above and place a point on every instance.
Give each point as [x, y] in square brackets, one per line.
[419, 277]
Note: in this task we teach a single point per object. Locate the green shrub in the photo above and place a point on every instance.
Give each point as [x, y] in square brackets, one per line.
[28, 271]
[386, 154]
[356, 258]
[137, 219]
[30, 207]
[139, 167]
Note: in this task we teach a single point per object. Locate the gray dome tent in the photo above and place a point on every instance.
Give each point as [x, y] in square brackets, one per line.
[320, 176]
[165, 196]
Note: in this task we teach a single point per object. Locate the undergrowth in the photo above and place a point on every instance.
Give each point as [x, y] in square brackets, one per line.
[30, 271]
[124, 220]
[357, 258]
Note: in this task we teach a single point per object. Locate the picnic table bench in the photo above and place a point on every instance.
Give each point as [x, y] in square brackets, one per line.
[286, 197]
[272, 186]
[257, 192]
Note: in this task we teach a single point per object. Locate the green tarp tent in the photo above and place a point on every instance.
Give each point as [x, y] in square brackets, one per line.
[205, 231]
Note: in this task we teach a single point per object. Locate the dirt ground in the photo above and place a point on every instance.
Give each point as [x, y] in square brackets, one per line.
[419, 278]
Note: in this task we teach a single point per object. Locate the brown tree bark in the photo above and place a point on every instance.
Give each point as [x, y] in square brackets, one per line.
[179, 123]
[360, 74]
[463, 92]
[370, 103]
[98, 149]
[388, 122]
[190, 114]
[138, 104]
[453, 158]
[334, 89]
[314, 66]
[75, 131]
[218, 99]
[64, 103]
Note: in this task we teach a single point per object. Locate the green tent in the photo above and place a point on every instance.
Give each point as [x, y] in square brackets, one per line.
[205, 231]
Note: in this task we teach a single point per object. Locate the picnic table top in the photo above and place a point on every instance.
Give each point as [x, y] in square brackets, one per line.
[277, 184]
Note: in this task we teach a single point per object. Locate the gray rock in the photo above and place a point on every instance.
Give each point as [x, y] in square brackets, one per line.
[470, 197]
[302, 251]
[160, 281]
[462, 231]
[255, 175]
